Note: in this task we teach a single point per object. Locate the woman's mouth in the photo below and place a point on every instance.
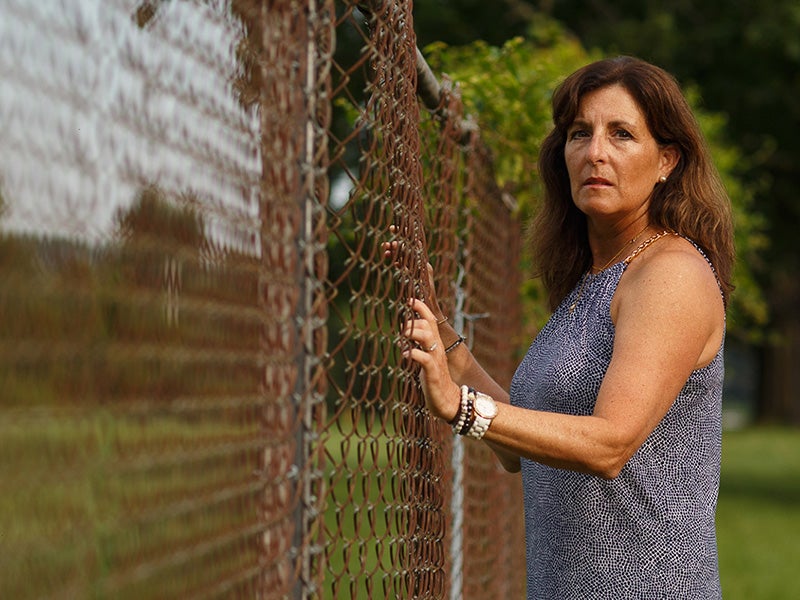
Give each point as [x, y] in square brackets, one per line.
[596, 181]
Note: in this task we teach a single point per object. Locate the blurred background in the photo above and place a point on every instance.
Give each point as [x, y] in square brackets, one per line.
[199, 388]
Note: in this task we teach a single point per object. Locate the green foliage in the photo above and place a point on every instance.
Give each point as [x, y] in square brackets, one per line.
[508, 89]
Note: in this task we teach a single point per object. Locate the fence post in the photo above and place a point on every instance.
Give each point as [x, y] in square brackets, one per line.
[311, 314]
[457, 464]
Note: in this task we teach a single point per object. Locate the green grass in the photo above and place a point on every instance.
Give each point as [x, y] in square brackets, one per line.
[63, 522]
[89, 497]
[360, 515]
[758, 517]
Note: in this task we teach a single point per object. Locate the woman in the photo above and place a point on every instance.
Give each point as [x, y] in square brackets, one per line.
[614, 414]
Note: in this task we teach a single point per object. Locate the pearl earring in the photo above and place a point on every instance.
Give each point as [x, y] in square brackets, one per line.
[662, 179]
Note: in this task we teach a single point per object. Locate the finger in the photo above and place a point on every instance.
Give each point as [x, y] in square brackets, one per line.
[394, 251]
[419, 331]
[390, 248]
[419, 355]
[431, 276]
[414, 327]
[422, 336]
[422, 309]
[431, 365]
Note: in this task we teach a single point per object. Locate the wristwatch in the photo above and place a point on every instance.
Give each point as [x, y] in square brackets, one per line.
[485, 410]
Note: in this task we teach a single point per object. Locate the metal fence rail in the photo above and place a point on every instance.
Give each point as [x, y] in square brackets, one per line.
[202, 388]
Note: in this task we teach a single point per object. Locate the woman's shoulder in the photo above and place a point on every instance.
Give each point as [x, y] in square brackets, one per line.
[672, 266]
[670, 253]
[670, 295]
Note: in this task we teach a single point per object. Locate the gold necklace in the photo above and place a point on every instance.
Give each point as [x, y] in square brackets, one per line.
[604, 267]
[580, 293]
[628, 243]
[643, 246]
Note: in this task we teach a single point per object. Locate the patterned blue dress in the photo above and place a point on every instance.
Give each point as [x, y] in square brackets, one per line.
[649, 533]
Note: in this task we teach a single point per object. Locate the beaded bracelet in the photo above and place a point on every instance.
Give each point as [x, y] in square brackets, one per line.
[452, 422]
[461, 417]
[469, 419]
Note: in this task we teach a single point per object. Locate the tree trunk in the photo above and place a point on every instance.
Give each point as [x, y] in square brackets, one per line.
[779, 399]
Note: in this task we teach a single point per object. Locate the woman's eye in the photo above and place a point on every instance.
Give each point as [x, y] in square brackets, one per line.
[578, 134]
[623, 134]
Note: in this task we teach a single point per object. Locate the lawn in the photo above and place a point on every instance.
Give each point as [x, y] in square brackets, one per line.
[758, 517]
[65, 529]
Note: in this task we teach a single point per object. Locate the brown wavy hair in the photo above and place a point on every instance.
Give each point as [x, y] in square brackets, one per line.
[693, 201]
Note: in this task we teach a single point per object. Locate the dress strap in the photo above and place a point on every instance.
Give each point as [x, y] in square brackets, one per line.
[711, 266]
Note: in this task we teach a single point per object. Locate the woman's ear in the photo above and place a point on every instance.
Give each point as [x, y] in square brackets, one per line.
[670, 155]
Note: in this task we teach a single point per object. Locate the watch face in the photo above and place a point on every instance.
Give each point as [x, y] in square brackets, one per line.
[485, 407]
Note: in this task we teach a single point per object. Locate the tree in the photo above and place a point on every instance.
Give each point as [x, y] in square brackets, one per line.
[460, 22]
[3, 207]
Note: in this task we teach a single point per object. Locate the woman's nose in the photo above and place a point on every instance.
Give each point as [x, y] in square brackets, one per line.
[596, 151]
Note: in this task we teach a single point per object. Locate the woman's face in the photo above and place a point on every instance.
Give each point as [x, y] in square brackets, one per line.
[612, 159]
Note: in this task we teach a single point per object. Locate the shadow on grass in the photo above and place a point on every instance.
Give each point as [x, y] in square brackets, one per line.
[766, 490]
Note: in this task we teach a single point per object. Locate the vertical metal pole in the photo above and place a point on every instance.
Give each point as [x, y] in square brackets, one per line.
[305, 396]
[457, 460]
[457, 510]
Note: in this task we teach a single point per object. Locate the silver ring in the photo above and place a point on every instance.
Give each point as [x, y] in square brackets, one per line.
[433, 347]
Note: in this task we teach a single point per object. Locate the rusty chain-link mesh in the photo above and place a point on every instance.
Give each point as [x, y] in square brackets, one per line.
[203, 393]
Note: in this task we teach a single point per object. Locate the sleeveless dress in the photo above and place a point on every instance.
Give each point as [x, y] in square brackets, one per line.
[649, 533]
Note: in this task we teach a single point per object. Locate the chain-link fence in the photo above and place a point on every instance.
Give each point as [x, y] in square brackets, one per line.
[203, 393]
